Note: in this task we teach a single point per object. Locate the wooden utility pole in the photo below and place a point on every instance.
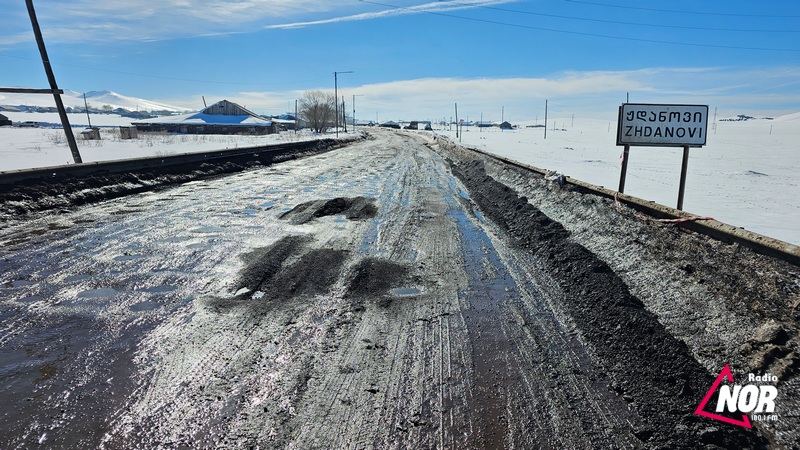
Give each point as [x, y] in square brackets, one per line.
[86, 105]
[62, 113]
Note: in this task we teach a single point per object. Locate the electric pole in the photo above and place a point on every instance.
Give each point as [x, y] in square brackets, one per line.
[336, 97]
[545, 118]
[51, 78]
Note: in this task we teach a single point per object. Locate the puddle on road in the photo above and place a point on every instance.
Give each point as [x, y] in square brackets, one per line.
[207, 229]
[145, 306]
[13, 242]
[490, 285]
[173, 239]
[163, 289]
[79, 277]
[98, 293]
[123, 212]
[48, 398]
[128, 257]
[405, 292]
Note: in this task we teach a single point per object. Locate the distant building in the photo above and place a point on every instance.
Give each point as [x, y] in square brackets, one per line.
[288, 121]
[390, 124]
[223, 117]
[4, 121]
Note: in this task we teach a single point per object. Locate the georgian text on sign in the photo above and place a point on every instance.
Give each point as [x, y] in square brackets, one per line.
[662, 125]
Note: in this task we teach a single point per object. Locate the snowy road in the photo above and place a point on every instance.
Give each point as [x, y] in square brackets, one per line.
[356, 299]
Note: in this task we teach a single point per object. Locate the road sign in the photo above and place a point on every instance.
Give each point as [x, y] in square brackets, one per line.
[642, 124]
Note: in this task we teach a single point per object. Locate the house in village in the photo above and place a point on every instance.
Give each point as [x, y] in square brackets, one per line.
[419, 125]
[223, 117]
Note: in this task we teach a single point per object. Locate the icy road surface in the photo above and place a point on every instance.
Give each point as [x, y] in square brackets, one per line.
[354, 299]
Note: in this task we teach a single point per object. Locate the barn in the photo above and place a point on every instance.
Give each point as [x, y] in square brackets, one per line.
[223, 117]
[4, 120]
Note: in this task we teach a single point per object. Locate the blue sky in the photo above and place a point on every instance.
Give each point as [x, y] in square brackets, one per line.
[415, 59]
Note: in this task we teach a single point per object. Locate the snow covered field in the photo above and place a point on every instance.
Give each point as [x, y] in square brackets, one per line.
[26, 148]
[746, 175]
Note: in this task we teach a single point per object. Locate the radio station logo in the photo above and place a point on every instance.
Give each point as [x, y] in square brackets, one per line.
[738, 404]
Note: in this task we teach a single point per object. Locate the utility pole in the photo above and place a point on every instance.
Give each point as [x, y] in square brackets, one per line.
[354, 109]
[51, 78]
[456, 120]
[336, 97]
[545, 118]
[715, 120]
[86, 105]
[295, 116]
[344, 117]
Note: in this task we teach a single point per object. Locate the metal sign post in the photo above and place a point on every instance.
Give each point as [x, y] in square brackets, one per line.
[624, 168]
[684, 165]
[649, 125]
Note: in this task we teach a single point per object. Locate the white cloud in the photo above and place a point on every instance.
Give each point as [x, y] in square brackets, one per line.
[146, 20]
[589, 94]
[435, 7]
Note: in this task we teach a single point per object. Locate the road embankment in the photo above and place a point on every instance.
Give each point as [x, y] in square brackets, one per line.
[29, 190]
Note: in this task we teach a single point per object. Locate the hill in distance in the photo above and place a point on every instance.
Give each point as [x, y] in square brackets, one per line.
[97, 100]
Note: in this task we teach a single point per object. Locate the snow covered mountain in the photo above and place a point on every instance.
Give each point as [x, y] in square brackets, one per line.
[96, 99]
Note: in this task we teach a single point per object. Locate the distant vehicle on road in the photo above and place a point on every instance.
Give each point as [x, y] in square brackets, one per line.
[29, 124]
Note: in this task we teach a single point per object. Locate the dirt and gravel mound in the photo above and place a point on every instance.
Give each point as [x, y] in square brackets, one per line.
[357, 208]
[372, 280]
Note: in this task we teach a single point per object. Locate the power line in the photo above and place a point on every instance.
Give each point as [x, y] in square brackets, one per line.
[161, 77]
[616, 22]
[580, 33]
[640, 8]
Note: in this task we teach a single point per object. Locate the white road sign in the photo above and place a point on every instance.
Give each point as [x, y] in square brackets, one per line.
[643, 124]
